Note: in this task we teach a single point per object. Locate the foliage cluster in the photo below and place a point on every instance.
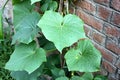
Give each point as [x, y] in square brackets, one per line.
[50, 43]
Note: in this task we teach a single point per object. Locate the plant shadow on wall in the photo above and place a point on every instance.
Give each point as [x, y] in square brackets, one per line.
[50, 43]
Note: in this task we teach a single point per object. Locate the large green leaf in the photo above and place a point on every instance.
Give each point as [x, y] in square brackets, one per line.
[27, 30]
[23, 75]
[1, 26]
[63, 32]
[34, 1]
[21, 10]
[25, 23]
[26, 57]
[84, 58]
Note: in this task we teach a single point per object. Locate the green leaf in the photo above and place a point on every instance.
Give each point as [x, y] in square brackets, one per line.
[34, 1]
[84, 58]
[62, 78]
[23, 75]
[26, 57]
[57, 72]
[87, 76]
[20, 11]
[63, 32]
[1, 26]
[75, 78]
[100, 77]
[17, 1]
[49, 5]
[26, 30]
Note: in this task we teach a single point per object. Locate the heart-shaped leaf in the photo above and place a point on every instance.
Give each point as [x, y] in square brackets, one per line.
[23, 75]
[26, 57]
[27, 30]
[25, 22]
[84, 58]
[63, 32]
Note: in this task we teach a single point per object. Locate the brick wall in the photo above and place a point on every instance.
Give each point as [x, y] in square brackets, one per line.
[102, 26]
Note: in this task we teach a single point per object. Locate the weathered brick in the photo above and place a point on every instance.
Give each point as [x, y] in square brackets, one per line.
[115, 4]
[104, 2]
[107, 55]
[116, 19]
[88, 30]
[108, 66]
[90, 20]
[111, 31]
[112, 76]
[87, 5]
[98, 37]
[104, 13]
[118, 63]
[111, 45]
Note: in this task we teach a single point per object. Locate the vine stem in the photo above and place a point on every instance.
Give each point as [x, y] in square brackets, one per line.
[67, 5]
[61, 5]
[5, 4]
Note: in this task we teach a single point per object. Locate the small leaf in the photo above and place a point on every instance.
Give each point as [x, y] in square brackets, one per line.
[34, 1]
[87, 76]
[26, 57]
[27, 30]
[49, 5]
[56, 72]
[84, 58]
[75, 78]
[100, 77]
[23, 75]
[63, 32]
[62, 78]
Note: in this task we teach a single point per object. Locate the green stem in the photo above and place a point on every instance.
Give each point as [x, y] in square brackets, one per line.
[5, 4]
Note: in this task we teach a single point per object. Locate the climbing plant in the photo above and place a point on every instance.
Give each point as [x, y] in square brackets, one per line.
[50, 43]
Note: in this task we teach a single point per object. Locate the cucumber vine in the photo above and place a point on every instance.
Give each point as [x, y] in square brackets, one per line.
[50, 43]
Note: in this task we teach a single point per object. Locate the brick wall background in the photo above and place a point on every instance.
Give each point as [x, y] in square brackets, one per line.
[102, 26]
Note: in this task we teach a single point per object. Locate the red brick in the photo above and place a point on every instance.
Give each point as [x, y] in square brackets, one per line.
[105, 2]
[116, 19]
[87, 5]
[115, 4]
[90, 20]
[109, 67]
[113, 47]
[98, 37]
[104, 13]
[111, 31]
[107, 55]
